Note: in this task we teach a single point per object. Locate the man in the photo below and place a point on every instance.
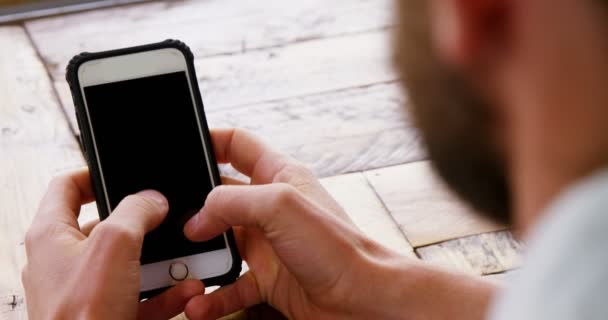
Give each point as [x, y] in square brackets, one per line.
[511, 99]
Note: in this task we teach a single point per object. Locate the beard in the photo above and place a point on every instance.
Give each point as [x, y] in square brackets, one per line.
[457, 124]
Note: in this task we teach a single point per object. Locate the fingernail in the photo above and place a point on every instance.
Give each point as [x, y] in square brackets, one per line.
[154, 195]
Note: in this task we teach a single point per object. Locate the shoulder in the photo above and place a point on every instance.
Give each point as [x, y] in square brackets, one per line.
[565, 275]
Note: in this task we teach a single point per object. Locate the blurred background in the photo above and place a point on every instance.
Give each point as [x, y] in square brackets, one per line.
[14, 10]
[313, 78]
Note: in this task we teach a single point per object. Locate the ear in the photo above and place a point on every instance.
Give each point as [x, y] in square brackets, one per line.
[464, 30]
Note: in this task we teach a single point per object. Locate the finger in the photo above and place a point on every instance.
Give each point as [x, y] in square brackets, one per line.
[288, 220]
[138, 214]
[253, 158]
[88, 227]
[171, 302]
[231, 181]
[274, 208]
[247, 154]
[227, 300]
[64, 197]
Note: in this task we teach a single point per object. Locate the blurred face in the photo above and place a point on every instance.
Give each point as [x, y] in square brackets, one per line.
[517, 53]
[456, 123]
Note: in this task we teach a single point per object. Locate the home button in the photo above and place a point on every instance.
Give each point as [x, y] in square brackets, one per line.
[178, 271]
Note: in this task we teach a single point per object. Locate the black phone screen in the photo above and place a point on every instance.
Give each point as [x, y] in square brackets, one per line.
[148, 137]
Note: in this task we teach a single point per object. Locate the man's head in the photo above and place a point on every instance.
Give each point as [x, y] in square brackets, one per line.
[492, 81]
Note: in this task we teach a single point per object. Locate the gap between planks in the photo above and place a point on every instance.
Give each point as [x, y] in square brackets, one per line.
[484, 254]
[360, 202]
[289, 73]
[244, 25]
[478, 254]
[443, 230]
[423, 207]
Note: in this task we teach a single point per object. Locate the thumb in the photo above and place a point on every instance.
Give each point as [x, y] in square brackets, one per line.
[138, 214]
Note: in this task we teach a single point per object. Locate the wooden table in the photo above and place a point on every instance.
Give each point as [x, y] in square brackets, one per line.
[312, 77]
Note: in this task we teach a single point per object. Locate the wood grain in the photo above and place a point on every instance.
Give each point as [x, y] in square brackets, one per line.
[359, 200]
[280, 73]
[212, 27]
[334, 133]
[425, 211]
[323, 102]
[296, 70]
[36, 144]
[483, 254]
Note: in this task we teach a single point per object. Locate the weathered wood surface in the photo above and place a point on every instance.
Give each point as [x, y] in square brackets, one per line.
[425, 211]
[36, 143]
[329, 67]
[299, 69]
[213, 27]
[333, 133]
[483, 254]
[279, 73]
[359, 200]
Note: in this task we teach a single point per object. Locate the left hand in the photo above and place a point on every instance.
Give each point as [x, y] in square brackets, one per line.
[73, 274]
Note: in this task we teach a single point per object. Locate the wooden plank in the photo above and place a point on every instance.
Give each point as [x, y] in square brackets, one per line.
[359, 200]
[36, 144]
[27, 100]
[425, 211]
[297, 70]
[210, 27]
[483, 254]
[334, 133]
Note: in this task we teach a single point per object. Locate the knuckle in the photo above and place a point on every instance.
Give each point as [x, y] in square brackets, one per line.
[31, 237]
[40, 235]
[138, 202]
[118, 233]
[217, 195]
[294, 173]
[286, 195]
[241, 132]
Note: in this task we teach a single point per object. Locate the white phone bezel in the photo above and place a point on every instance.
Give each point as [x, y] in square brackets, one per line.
[139, 65]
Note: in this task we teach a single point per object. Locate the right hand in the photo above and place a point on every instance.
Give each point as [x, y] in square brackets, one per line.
[306, 257]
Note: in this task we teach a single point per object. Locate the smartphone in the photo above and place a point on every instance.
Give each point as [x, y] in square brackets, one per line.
[143, 126]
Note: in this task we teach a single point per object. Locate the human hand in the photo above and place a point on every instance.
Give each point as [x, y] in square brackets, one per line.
[306, 257]
[94, 274]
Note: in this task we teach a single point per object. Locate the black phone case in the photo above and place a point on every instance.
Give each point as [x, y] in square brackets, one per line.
[87, 142]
